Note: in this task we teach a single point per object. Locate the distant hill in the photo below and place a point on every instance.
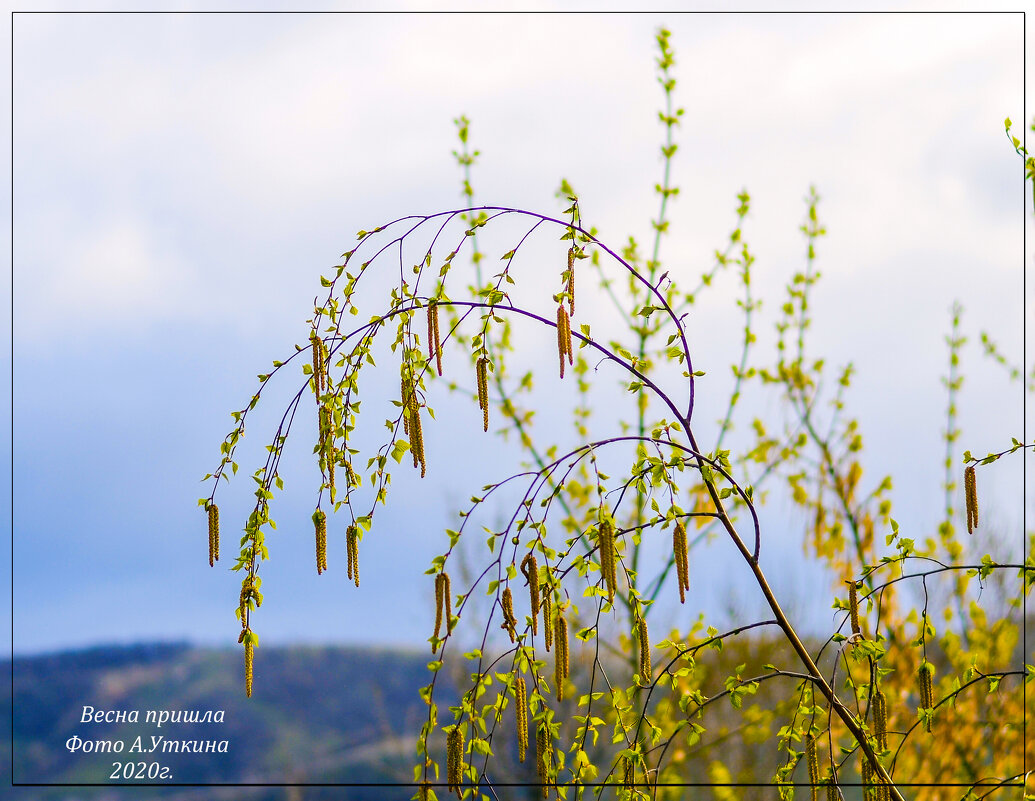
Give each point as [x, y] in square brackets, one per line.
[319, 714]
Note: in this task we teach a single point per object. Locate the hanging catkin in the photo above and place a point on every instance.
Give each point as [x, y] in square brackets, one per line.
[521, 709]
[414, 429]
[646, 672]
[412, 412]
[434, 340]
[447, 602]
[319, 381]
[812, 757]
[547, 622]
[607, 557]
[564, 350]
[352, 548]
[438, 610]
[970, 493]
[324, 423]
[560, 657]
[438, 344]
[571, 281]
[509, 620]
[924, 678]
[628, 771]
[481, 373]
[867, 779]
[455, 760]
[320, 524]
[243, 602]
[249, 658]
[853, 606]
[880, 719]
[213, 534]
[681, 556]
[443, 604]
[530, 570]
[543, 757]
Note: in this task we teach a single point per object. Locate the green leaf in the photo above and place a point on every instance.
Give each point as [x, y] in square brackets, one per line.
[399, 449]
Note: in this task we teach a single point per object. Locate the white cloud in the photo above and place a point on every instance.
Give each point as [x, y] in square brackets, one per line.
[110, 277]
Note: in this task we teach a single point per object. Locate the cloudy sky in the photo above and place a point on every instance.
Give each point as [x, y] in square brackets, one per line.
[182, 181]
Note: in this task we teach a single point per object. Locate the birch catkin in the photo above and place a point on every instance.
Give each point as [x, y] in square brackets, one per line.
[564, 350]
[530, 570]
[970, 493]
[521, 708]
[352, 547]
[320, 524]
[509, 620]
[606, 541]
[438, 607]
[924, 678]
[438, 344]
[438, 611]
[213, 534]
[560, 657]
[571, 281]
[812, 757]
[853, 606]
[543, 754]
[880, 719]
[562, 640]
[434, 339]
[867, 779]
[547, 622]
[325, 425]
[680, 554]
[249, 659]
[447, 602]
[443, 604]
[411, 421]
[319, 381]
[455, 760]
[646, 672]
[413, 429]
[481, 372]
[561, 352]
[416, 433]
[243, 604]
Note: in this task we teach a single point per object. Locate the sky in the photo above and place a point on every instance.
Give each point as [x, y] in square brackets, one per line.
[181, 182]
